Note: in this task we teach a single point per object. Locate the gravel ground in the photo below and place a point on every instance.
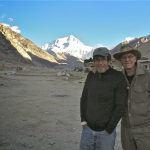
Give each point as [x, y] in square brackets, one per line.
[40, 111]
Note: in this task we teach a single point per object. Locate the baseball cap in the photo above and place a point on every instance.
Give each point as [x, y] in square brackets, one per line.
[101, 51]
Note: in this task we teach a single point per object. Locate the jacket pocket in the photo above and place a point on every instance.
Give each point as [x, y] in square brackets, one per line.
[140, 94]
[140, 113]
[140, 109]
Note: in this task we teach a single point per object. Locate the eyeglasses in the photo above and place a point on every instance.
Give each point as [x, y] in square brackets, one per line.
[125, 57]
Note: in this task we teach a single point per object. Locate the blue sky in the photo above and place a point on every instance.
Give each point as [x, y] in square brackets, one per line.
[94, 22]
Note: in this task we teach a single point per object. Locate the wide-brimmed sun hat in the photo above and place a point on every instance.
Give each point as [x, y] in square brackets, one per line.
[124, 49]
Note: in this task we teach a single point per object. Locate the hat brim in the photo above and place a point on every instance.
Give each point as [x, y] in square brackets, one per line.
[135, 52]
[100, 55]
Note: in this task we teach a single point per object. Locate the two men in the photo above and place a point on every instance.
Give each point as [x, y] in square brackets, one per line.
[102, 103]
[135, 129]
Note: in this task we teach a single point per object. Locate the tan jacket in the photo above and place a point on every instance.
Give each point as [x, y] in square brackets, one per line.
[138, 112]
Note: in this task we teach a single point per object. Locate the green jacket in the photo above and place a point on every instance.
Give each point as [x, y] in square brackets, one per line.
[138, 110]
[103, 100]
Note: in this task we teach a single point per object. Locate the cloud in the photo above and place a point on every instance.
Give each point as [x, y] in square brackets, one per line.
[129, 39]
[2, 16]
[7, 19]
[14, 28]
[10, 19]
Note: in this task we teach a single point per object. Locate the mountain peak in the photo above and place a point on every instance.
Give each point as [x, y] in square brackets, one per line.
[68, 44]
[72, 38]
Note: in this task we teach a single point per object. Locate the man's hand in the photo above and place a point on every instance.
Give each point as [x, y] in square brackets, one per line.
[84, 123]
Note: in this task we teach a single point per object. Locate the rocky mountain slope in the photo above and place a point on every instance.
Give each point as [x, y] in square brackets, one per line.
[145, 50]
[63, 52]
[142, 44]
[15, 48]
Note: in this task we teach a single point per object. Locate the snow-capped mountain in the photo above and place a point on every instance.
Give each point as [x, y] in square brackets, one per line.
[128, 39]
[70, 45]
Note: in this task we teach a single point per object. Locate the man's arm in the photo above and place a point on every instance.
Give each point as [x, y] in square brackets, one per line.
[119, 104]
[83, 100]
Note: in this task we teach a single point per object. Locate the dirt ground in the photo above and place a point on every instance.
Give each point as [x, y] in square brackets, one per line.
[40, 111]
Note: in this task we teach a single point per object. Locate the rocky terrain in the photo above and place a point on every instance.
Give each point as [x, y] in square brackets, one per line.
[39, 109]
[16, 49]
[40, 95]
[142, 44]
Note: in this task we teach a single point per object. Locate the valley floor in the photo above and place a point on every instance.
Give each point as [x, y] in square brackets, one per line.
[40, 111]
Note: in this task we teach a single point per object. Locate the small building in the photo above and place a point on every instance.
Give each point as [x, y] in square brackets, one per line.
[145, 63]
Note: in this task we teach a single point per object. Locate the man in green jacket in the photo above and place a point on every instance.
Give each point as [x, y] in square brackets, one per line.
[135, 129]
[102, 103]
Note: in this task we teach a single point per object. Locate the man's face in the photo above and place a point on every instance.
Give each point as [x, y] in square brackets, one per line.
[128, 61]
[101, 64]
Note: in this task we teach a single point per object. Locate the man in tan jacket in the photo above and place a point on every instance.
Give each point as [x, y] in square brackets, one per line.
[135, 129]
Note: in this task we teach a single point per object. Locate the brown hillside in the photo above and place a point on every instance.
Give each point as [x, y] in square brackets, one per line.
[142, 43]
[145, 49]
[15, 48]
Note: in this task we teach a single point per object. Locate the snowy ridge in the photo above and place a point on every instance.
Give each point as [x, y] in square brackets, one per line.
[70, 45]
